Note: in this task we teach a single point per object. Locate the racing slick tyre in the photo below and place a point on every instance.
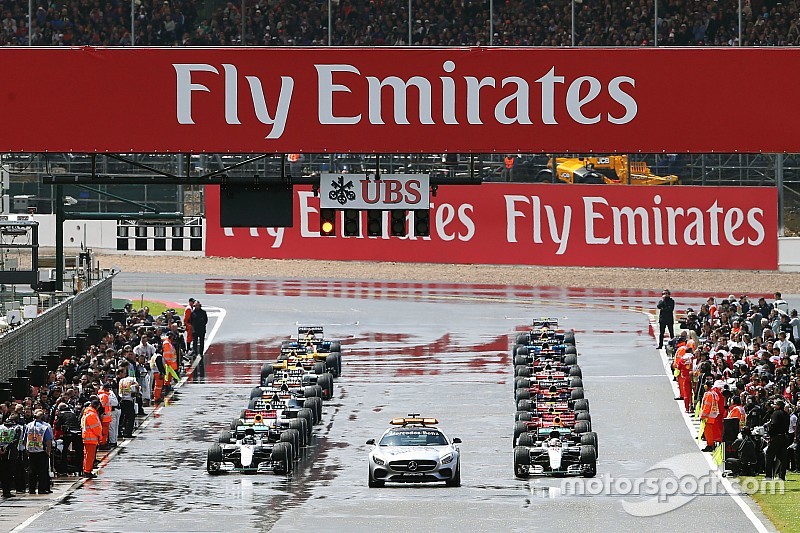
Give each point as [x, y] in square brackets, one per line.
[319, 367]
[575, 371]
[292, 436]
[584, 415]
[522, 394]
[590, 439]
[224, 437]
[523, 416]
[307, 415]
[569, 337]
[522, 460]
[326, 382]
[589, 457]
[339, 362]
[575, 382]
[571, 359]
[214, 459]
[234, 424]
[374, 483]
[256, 392]
[525, 405]
[312, 391]
[281, 458]
[521, 371]
[266, 370]
[522, 383]
[336, 346]
[522, 350]
[571, 350]
[581, 405]
[520, 360]
[524, 339]
[526, 439]
[315, 404]
[581, 426]
[455, 481]
[331, 365]
[519, 429]
[302, 429]
[576, 394]
[252, 403]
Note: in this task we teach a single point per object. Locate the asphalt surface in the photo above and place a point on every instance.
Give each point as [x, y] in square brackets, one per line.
[443, 356]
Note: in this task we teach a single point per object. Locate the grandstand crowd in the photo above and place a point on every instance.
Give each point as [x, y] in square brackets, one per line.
[94, 399]
[738, 359]
[385, 23]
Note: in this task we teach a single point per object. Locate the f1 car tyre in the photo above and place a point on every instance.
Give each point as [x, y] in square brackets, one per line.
[214, 457]
[331, 364]
[589, 457]
[519, 429]
[224, 437]
[339, 362]
[575, 382]
[582, 426]
[282, 457]
[300, 425]
[374, 483]
[266, 370]
[312, 391]
[336, 346]
[256, 392]
[569, 337]
[523, 416]
[520, 360]
[584, 415]
[521, 383]
[526, 439]
[292, 436]
[590, 439]
[307, 415]
[571, 350]
[455, 481]
[525, 405]
[522, 394]
[252, 403]
[575, 370]
[319, 367]
[234, 424]
[523, 338]
[315, 403]
[581, 405]
[522, 458]
[325, 381]
[269, 381]
[521, 371]
[576, 394]
[522, 350]
[571, 359]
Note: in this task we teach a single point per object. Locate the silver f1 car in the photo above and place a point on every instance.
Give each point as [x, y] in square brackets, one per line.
[254, 453]
[553, 453]
[413, 450]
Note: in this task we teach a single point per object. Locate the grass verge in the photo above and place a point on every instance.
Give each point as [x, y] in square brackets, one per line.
[782, 509]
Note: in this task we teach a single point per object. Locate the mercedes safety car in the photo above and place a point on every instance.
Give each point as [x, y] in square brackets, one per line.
[414, 450]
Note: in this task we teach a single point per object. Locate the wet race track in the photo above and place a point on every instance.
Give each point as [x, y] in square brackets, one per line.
[408, 350]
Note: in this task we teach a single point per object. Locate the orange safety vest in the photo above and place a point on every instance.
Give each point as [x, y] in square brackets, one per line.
[294, 158]
[170, 357]
[710, 408]
[509, 161]
[91, 430]
[103, 395]
[737, 412]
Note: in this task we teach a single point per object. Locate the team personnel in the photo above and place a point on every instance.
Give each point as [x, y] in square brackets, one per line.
[199, 321]
[128, 387]
[778, 442]
[105, 419]
[10, 434]
[666, 319]
[187, 323]
[39, 445]
[91, 430]
[113, 428]
[157, 375]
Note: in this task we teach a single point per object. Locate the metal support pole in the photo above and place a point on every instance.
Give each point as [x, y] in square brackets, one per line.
[740, 23]
[572, 31]
[59, 196]
[702, 169]
[655, 23]
[628, 163]
[779, 185]
[30, 22]
[409, 23]
[491, 22]
[553, 176]
[330, 23]
[243, 8]
[133, 22]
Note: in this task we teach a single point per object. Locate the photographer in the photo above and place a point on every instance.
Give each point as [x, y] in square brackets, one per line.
[666, 318]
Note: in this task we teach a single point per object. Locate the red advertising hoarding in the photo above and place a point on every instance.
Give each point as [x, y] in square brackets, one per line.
[541, 224]
[287, 100]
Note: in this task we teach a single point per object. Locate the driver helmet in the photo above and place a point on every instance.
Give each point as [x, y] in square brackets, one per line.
[552, 388]
[554, 434]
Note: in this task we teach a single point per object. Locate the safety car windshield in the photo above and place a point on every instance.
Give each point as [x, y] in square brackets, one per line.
[414, 437]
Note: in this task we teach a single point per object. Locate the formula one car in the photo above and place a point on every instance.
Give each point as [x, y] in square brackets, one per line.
[546, 329]
[308, 358]
[289, 401]
[553, 452]
[413, 450]
[296, 376]
[310, 341]
[253, 453]
[268, 424]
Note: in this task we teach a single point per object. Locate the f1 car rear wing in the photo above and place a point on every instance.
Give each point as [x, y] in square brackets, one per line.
[259, 415]
[544, 321]
[309, 334]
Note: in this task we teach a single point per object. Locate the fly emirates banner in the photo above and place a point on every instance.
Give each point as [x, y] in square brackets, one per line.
[540, 224]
